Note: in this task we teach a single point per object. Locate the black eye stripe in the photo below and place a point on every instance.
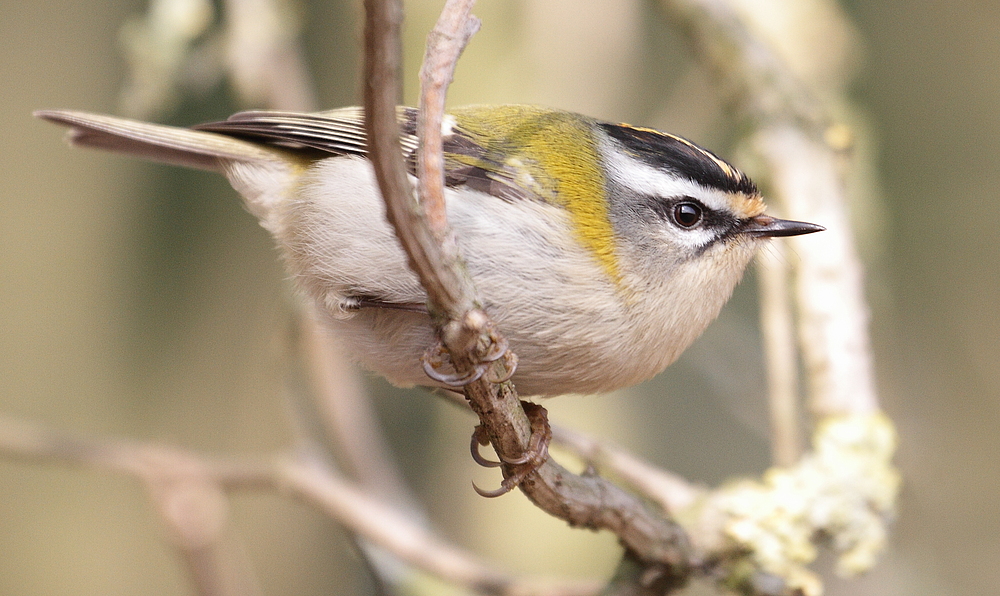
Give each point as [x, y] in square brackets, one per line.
[666, 209]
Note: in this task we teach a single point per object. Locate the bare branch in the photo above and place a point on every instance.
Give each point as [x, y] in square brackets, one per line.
[397, 533]
[387, 527]
[466, 332]
[669, 491]
[464, 328]
[186, 490]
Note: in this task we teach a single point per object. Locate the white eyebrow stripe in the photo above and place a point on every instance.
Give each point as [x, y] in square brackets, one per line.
[647, 180]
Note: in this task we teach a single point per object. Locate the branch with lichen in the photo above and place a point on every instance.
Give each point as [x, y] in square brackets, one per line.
[844, 489]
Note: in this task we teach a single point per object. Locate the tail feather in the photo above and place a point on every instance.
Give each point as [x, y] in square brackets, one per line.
[167, 144]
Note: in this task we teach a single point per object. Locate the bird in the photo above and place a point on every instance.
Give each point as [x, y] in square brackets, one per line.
[601, 250]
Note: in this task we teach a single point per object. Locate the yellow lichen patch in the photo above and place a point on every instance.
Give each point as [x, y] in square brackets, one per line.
[844, 489]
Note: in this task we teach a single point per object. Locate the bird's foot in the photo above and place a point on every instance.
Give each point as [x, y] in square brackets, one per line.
[518, 468]
[436, 358]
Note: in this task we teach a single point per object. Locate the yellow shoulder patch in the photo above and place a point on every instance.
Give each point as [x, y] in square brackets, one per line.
[551, 154]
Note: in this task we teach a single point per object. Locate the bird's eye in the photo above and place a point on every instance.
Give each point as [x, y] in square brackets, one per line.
[687, 215]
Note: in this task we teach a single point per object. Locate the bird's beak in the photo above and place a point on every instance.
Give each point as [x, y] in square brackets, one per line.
[765, 226]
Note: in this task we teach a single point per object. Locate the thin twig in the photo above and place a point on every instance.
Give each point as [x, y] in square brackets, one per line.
[669, 491]
[445, 44]
[349, 419]
[781, 357]
[397, 533]
[387, 527]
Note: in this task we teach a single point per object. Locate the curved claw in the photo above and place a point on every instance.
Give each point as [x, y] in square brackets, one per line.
[510, 363]
[536, 454]
[454, 380]
[497, 350]
[526, 457]
[492, 494]
[433, 360]
[538, 451]
[509, 483]
[477, 457]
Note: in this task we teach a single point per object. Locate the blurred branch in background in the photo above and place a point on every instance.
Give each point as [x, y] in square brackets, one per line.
[264, 55]
[174, 49]
[805, 153]
[349, 420]
[190, 491]
[778, 331]
[186, 490]
[789, 96]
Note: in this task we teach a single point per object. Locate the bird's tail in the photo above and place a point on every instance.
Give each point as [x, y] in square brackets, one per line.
[167, 144]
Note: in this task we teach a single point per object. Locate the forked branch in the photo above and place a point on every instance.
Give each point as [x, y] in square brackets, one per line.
[464, 328]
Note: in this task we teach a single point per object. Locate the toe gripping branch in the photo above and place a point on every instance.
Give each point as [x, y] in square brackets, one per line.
[515, 470]
[436, 358]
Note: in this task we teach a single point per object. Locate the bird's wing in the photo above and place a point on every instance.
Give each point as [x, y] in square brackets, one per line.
[472, 159]
[469, 160]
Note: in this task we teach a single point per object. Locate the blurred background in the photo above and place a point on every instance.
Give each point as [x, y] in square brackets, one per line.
[142, 301]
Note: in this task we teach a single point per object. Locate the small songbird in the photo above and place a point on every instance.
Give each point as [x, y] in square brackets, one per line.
[600, 250]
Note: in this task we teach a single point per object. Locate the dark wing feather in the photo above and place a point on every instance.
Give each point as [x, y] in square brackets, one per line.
[468, 162]
[339, 132]
[342, 132]
[374, 302]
